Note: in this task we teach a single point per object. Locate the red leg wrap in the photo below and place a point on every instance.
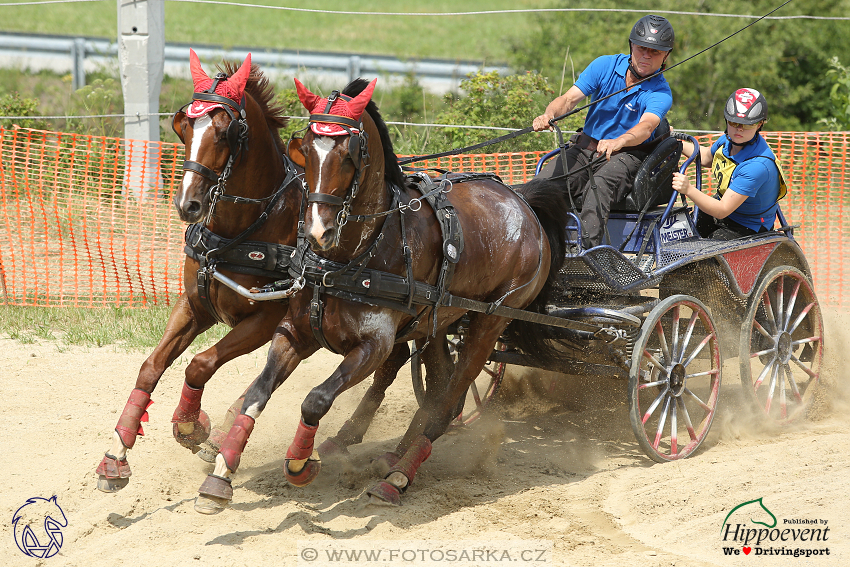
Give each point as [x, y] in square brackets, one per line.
[110, 467]
[302, 445]
[189, 407]
[418, 452]
[236, 440]
[135, 412]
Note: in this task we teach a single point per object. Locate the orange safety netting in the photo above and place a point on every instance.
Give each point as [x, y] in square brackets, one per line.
[88, 221]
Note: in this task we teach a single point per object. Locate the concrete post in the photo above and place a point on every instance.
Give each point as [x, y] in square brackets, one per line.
[141, 55]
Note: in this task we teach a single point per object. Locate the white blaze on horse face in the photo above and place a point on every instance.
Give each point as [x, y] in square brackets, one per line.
[202, 124]
[323, 146]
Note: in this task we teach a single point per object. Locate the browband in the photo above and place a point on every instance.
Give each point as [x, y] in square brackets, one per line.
[334, 119]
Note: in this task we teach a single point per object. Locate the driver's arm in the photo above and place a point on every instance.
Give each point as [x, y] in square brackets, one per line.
[561, 105]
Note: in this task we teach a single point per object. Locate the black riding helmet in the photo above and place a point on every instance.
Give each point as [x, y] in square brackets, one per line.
[653, 31]
[650, 31]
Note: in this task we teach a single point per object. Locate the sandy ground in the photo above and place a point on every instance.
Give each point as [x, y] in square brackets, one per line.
[562, 467]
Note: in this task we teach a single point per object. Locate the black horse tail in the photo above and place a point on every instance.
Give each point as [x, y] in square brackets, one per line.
[548, 200]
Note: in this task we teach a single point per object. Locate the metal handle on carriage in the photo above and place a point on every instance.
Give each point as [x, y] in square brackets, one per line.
[682, 170]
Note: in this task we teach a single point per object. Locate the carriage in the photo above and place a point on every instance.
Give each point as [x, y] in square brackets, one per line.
[664, 307]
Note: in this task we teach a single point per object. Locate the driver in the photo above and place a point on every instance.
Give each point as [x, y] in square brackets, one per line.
[616, 126]
[748, 178]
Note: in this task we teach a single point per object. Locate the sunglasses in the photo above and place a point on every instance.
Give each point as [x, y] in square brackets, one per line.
[742, 126]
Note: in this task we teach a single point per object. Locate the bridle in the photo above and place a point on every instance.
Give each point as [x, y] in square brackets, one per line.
[237, 141]
[357, 151]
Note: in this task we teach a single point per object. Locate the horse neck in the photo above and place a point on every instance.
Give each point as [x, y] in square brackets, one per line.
[257, 174]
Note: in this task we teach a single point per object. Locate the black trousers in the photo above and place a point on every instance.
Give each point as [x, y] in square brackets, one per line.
[595, 189]
[722, 229]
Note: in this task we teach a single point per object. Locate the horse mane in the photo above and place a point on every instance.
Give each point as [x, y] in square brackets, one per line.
[262, 91]
[392, 170]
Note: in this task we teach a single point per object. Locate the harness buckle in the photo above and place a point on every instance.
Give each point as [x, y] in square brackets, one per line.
[325, 280]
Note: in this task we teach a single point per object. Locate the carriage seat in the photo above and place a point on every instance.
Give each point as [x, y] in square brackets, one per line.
[653, 183]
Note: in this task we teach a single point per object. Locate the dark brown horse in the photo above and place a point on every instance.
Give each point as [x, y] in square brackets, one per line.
[354, 218]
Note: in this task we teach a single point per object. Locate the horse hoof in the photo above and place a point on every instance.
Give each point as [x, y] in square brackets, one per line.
[111, 484]
[210, 448]
[330, 449]
[382, 465]
[385, 494]
[199, 434]
[306, 475]
[210, 505]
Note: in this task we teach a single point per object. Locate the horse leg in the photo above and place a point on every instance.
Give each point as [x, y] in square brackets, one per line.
[302, 466]
[355, 427]
[284, 356]
[195, 432]
[184, 324]
[484, 331]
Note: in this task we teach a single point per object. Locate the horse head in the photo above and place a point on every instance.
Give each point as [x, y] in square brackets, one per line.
[215, 130]
[335, 153]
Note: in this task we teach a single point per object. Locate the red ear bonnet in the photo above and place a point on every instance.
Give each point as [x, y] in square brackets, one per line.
[352, 109]
[233, 87]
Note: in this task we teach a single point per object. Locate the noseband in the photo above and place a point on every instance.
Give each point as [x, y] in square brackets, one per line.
[357, 151]
[237, 140]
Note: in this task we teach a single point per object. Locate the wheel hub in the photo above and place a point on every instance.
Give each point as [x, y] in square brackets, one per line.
[677, 379]
[783, 346]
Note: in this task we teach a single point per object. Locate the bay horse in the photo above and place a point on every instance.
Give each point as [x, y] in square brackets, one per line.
[250, 199]
[363, 214]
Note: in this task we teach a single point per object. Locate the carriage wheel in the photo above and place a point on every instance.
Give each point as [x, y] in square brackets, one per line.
[782, 345]
[482, 390]
[674, 382]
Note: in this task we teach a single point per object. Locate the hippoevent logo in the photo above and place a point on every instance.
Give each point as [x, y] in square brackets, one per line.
[755, 530]
[38, 527]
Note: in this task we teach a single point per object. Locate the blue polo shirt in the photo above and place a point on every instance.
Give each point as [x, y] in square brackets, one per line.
[755, 176]
[615, 116]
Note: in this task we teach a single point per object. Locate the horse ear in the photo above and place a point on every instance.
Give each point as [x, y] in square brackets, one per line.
[240, 77]
[294, 151]
[358, 103]
[199, 76]
[307, 98]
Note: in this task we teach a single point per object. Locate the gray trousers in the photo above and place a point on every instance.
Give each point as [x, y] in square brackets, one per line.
[612, 179]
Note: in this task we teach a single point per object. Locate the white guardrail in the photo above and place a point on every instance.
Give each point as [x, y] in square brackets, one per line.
[77, 55]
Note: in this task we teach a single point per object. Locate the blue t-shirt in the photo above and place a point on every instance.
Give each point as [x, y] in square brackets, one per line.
[756, 177]
[615, 116]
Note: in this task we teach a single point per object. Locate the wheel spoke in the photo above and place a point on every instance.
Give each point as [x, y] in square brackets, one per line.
[652, 384]
[475, 395]
[783, 404]
[674, 433]
[806, 340]
[768, 309]
[699, 348]
[780, 302]
[654, 361]
[761, 352]
[662, 339]
[762, 330]
[763, 374]
[803, 367]
[686, 415]
[795, 390]
[715, 371]
[771, 388]
[704, 405]
[791, 301]
[800, 317]
[690, 331]
[655, 403]
[661, 422]
[675, 352]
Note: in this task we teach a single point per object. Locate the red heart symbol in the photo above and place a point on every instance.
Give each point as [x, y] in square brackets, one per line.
[747, 550]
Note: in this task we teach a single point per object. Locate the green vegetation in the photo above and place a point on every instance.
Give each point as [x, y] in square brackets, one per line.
[129, 329]
[839, 95]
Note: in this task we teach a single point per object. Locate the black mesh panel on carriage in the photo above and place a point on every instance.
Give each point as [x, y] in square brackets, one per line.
[603, 269]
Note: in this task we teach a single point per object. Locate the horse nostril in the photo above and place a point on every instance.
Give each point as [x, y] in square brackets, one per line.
[192, 207]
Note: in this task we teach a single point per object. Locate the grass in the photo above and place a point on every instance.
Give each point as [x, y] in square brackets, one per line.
[480, 38]
[127, 329]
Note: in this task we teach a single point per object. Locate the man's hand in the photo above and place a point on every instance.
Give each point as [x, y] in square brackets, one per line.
[542, 123]
[608, 147]
[681, 183]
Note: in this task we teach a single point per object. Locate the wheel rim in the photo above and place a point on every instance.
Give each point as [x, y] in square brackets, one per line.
[782, 345]
[482, 390]
[675, 380]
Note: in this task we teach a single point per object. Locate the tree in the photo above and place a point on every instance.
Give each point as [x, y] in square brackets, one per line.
[839, 96]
